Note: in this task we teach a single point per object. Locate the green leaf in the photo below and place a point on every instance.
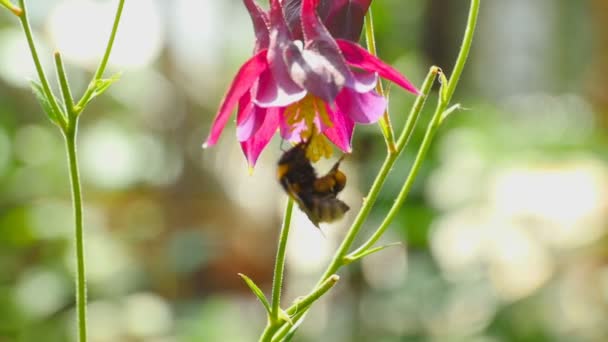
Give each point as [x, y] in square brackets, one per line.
[256, 291]
[99, 87]
[351, 258]
[45, 103]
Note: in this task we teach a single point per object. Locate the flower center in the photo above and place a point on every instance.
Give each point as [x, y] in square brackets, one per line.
[308, 114]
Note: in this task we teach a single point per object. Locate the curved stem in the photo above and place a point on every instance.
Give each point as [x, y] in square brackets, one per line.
[277, 280]
[81, 289]
[465, 48]
[25, 23]
[104, 61]
[279, 267]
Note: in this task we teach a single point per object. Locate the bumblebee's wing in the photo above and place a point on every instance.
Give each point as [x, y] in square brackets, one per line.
[304, 201]
[328, 208]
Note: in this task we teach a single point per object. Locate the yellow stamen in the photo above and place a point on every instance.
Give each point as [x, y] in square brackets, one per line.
[306, 111]
[319, 147]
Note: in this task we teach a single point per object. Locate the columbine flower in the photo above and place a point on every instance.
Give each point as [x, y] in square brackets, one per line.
[303, 81]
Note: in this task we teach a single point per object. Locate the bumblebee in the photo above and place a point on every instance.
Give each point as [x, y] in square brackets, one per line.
[316, 196]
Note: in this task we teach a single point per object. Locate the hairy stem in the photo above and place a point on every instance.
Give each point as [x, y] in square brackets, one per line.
[81, 287]
[25, 23]
[279, 267]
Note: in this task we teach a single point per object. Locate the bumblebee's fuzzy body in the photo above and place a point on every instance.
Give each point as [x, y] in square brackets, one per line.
[316, 196]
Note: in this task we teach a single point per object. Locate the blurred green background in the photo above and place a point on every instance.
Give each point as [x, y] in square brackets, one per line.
[504, 235]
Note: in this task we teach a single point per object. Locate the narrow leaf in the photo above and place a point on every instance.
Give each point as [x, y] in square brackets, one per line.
[256, 291]
[293, 329]
[45, 103]
[100, 86]
[449, 111]
[351, 258]
[285, 316]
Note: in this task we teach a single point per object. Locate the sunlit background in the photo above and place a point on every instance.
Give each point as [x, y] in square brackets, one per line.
[504, 235]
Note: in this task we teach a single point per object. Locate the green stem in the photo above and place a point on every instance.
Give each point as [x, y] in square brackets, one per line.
[465, 48]
[65, 86]
[81, 287]
[104, 61]
[25, 23]
[412, 119]
[277, 281]
[305, 302]
[279, 267]
[14, 9]
[300, 307]
[385, 123]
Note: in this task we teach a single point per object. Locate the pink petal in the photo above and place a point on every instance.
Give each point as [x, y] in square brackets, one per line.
[242, 82]
[319, 67]
[280, 40]
[364, 81]
[362, 108]
[260, 24]
[245, 107]
[359, 57]
[345, 18]
[251, 124]
[253, 147]
[341, 133]
[270, 94]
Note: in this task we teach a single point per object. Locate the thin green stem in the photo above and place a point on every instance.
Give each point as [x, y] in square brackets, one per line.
[65, 86]
[104, 61]
[14, 9]
[301, 306]
[269, 332]
[314, 295]
[277, 281]
[412, 119]
[385, 123]
[81, 287]
[279, 267]
[25, 23]
[465, 48]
